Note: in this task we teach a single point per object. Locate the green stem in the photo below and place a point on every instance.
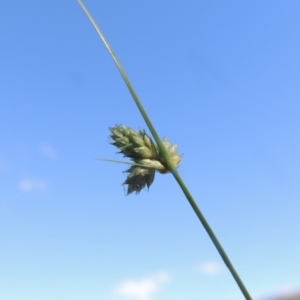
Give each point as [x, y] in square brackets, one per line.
[130, 163]
[213, 237]
[168, 160]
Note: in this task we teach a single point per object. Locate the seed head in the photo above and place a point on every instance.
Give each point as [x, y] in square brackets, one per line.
[144, 154]
[138, 178]
[133, 144]
[175, 157]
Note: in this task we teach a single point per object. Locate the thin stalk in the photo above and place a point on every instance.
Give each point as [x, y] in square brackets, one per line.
[168, 160]
[213, 237]
[128, 163]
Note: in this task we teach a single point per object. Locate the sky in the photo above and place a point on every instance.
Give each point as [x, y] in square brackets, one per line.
[220, 79]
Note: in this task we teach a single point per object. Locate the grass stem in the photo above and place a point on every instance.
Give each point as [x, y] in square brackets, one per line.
[168, 161]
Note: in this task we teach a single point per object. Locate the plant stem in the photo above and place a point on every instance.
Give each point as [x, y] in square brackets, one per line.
[212, 236]
[129, 163]
[168, 161]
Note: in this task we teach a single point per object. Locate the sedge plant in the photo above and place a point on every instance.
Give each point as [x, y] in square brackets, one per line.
[147, 157]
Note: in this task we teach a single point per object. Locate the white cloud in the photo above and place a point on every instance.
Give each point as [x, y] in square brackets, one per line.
[27, 185]
[48, 151]
[280, 293]
[144, 288]
[211, 268]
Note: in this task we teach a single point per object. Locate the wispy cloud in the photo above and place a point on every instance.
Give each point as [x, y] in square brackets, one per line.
[285, 292]
[210, 268]
[28, 184]
[48, 151]
[142, 289]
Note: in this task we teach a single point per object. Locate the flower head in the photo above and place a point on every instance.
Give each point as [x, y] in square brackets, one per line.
[133, 144]
[146, 157]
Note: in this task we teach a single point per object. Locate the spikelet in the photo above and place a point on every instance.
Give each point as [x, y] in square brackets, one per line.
[133, 144]
[146, 157]
[172, 150]
[138, 178]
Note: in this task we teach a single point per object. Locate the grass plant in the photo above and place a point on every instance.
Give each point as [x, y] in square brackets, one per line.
[162, 153]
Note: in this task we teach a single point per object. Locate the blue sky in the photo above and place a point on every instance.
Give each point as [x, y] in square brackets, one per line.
[221, 79]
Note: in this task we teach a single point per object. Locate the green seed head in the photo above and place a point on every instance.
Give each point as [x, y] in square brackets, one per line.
[139, 147]
[133, 144]
[172, 151]
[139, 178]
